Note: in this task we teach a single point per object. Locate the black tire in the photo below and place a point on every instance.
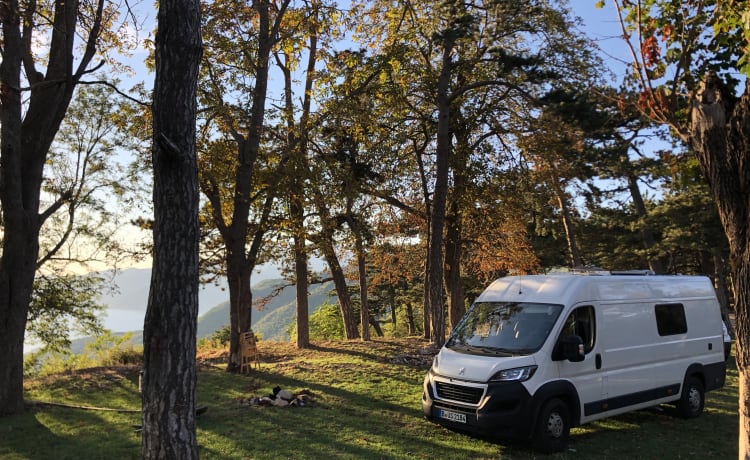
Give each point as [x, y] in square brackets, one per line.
[552, 430]
[693, 398]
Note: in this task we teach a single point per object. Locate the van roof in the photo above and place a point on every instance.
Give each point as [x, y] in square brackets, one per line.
[571, 288]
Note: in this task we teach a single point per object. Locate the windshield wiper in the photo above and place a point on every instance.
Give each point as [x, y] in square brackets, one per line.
[499, 351]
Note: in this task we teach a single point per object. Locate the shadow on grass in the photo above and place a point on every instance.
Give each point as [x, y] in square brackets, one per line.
[340, 424]
[386, 349]
[60, 433]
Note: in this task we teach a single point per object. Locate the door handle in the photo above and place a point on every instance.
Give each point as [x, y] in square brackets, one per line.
[598, 361]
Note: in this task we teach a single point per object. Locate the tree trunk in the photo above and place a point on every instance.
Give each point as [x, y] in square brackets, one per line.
[17, 270]
[17, 266]
[297, 212]
[720, 137]
[342, 290]
[364, 317]
[25, 145]
[647, 233]
[410, 318]
[169, 332]
[376, 326]
[297, 152]
[325, 244]
[239, 273]
[574, 255]
[744, 402]
[235, 236]
[742, 354]
[391, 300]
[453, 249]
[426, 312]
[440, 195]
[455, 224]
[722, 291]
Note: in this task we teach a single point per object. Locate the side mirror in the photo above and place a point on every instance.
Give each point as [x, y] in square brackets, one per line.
[572, 348]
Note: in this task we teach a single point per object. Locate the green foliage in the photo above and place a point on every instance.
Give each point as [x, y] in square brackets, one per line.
[325, 324]
[106, 350]
[64, 304]
[216, 341]
[109, 349]
[401, 328]
[222, 335]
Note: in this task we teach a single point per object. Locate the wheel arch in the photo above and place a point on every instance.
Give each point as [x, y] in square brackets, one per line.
[694, 370]
[563, 390]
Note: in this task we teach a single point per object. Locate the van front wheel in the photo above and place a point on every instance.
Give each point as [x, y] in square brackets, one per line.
[693, 398]
[552, 429]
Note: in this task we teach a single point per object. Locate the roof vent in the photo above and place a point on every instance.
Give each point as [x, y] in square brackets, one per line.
[633, 272]
[588, 270]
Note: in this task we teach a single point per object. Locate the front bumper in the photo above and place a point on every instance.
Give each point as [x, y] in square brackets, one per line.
[503, 410]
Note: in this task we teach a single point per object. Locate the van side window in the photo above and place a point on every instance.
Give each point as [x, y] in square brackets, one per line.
[581, 323]
[670, 319]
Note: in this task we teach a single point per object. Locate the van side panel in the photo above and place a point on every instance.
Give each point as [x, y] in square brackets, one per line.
[650, 369]
[635, 368]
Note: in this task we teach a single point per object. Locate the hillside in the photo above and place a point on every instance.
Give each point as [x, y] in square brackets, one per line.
[272, 321]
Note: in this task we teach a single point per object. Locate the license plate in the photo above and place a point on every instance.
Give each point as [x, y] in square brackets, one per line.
[457, 417]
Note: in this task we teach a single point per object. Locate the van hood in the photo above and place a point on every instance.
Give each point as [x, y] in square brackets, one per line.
[476, 368]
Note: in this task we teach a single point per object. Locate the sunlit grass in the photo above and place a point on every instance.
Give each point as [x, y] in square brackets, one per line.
[366, 405]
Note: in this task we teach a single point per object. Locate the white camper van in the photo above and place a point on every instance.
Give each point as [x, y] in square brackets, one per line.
[536, 355]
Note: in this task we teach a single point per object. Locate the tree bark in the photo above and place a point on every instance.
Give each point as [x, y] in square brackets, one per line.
[25, 144]
[426, 311]
[722, 291]
[410, 319]
[453, 253]
[437, 221]
[720, 137]
[169, 333]
[342, 289]
[15, 279]
[239, 272]
[297, 211]
[364, 317]
[454, 240]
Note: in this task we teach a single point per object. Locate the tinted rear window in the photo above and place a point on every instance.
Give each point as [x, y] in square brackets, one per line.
[670, 319]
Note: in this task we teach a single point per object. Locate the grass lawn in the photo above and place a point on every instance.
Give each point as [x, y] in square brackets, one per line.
[366, 404]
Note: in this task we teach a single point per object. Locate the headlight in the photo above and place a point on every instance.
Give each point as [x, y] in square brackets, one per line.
[519, 374]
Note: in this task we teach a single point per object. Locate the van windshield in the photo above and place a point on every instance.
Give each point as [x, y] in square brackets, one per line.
[504, 328]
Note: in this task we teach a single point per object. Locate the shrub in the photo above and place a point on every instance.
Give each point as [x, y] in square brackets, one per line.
[325, 324]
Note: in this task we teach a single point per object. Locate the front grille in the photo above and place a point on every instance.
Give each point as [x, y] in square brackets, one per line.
[460, 393]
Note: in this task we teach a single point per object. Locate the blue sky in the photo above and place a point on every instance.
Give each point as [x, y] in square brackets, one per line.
[603, 27]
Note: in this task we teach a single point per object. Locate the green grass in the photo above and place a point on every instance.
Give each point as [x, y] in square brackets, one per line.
[366, 405]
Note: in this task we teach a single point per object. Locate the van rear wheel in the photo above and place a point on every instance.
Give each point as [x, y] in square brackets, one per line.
[693, 398]
[552, 430]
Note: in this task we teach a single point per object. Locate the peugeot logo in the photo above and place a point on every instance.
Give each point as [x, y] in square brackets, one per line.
[461, 371]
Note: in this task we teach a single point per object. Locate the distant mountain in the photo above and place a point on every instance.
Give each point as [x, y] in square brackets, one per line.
[271, 323]
[126, 308]
[126, 302]
[273, 320]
